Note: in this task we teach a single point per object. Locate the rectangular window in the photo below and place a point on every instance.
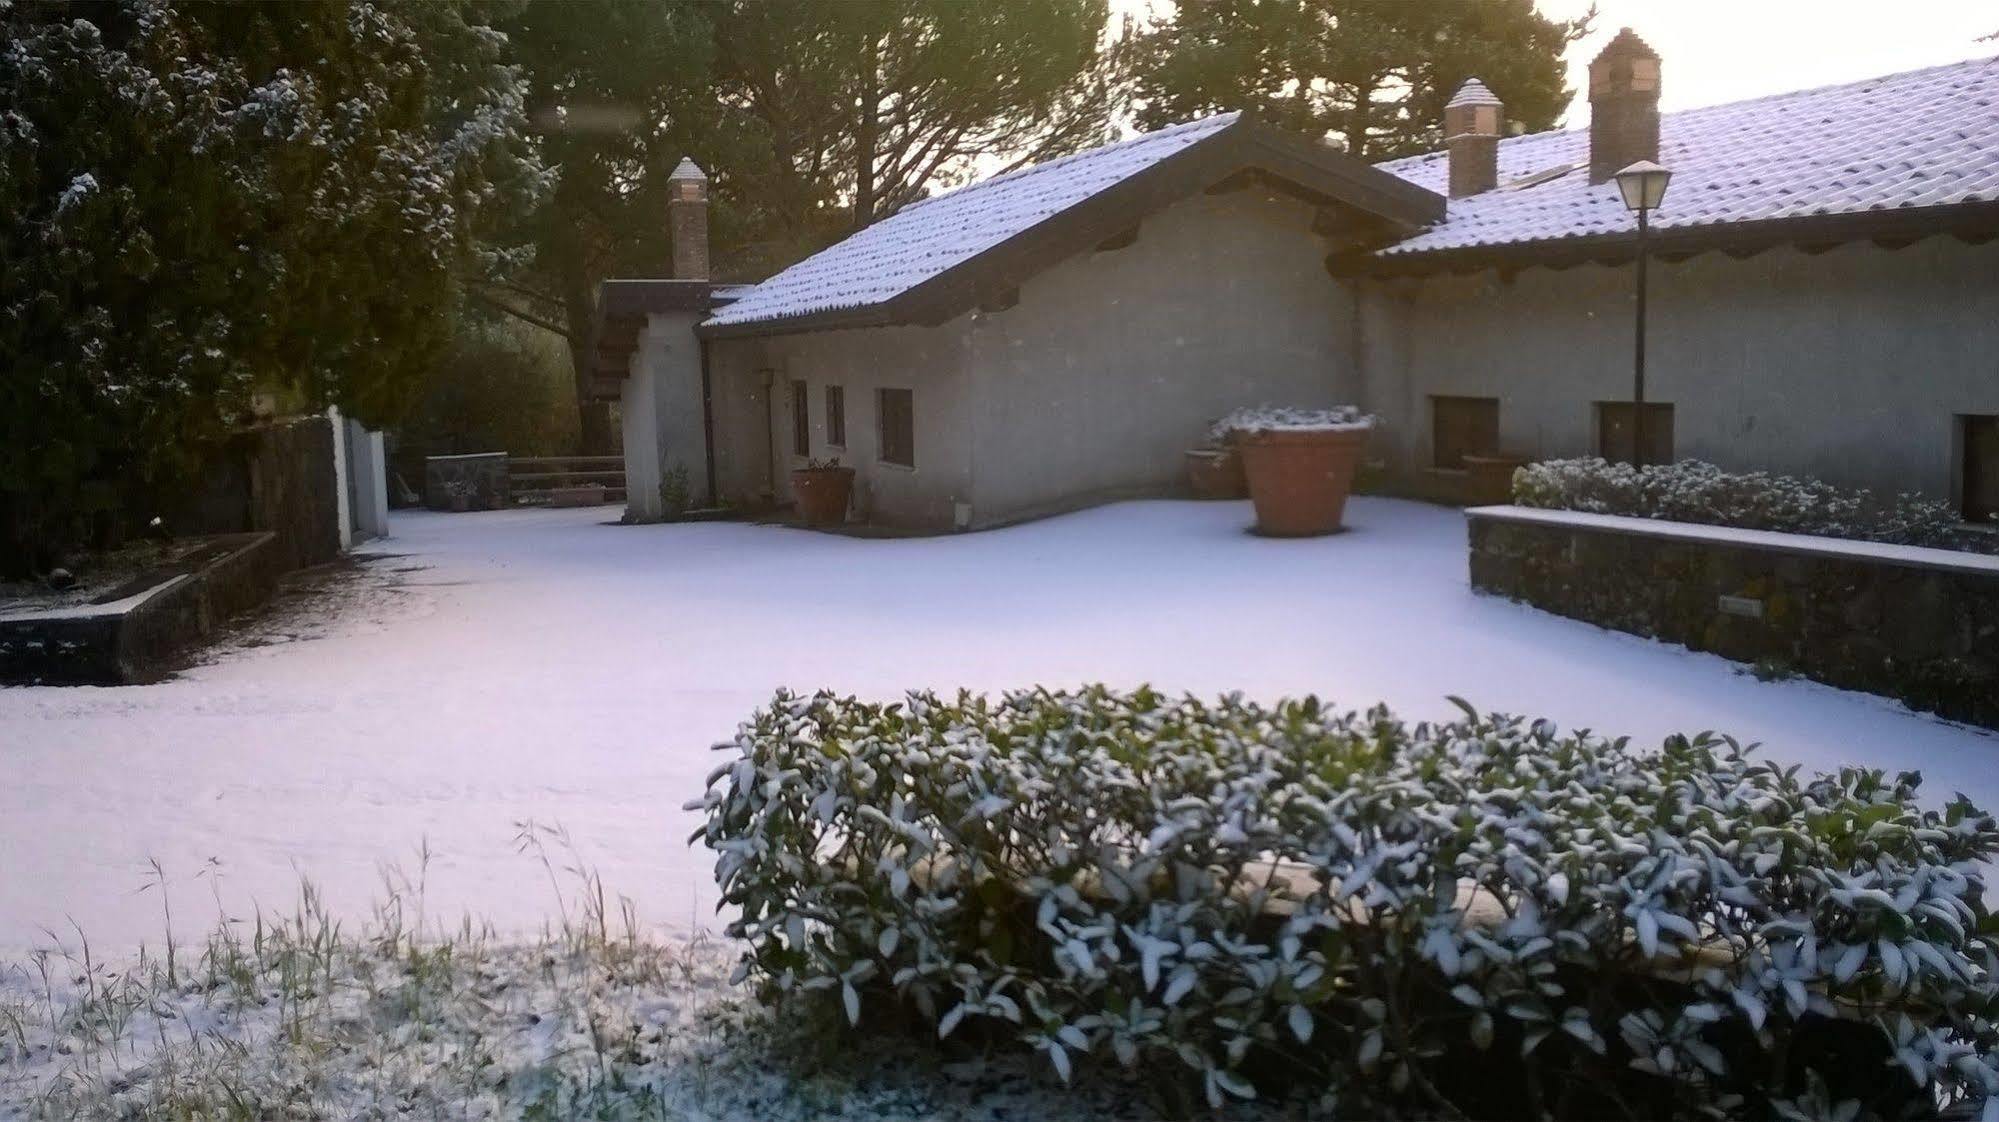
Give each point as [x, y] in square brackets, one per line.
[1614, 431]
[1978, 485]
[895, 415]
[836, 416]
[801, 424]
[1460, 427]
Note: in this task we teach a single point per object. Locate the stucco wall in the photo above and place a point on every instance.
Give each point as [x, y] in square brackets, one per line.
[1113, 362]
[1849, 365]
[661, 407]
[928, 361]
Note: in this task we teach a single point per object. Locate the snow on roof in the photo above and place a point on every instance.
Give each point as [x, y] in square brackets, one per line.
[932, 235]
[1917, 139]
[1473, 92]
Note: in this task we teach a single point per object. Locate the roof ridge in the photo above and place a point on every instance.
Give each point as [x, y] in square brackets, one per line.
[1511, 141]
[1059, 161]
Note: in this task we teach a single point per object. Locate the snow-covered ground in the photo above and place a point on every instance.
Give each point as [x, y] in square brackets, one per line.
[546, 666]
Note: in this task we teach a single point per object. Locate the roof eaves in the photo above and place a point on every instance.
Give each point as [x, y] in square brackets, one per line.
[1973, 220]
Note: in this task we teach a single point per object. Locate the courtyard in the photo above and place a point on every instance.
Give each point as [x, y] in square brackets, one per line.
[482, 672]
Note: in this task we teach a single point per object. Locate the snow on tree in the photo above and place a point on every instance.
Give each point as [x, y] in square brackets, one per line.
[205, 201]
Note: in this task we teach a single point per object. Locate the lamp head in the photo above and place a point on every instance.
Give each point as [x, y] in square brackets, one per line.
[1643, 185]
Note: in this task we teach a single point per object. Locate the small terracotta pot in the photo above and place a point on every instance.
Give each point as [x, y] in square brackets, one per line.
[1489, 479]
[1216, 473]
[822, 494]
[1299, 479]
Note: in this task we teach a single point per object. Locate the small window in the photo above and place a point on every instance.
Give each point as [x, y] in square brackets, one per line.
[836, 416]
[1460, 427]
[801, 425]
[896, 417]
[1614, 431]
[1979, 482]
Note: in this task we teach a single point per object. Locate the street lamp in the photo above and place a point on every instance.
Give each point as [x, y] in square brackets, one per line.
[1643, 186]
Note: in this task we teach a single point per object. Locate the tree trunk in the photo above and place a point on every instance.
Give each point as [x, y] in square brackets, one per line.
[594, 436]
[865, 136]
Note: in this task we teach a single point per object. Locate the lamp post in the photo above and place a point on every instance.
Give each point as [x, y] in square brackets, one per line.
[1643, 186]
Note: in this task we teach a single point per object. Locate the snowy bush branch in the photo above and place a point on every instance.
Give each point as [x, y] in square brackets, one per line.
[1694, 491]
[1480, 916]
[1275, 418]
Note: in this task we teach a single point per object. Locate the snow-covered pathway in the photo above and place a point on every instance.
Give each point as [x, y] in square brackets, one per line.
[543, 665]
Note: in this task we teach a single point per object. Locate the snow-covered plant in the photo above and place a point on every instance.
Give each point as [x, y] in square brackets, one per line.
[1694, 491]
[202, 202]
[1477, 917]
[1272, 418]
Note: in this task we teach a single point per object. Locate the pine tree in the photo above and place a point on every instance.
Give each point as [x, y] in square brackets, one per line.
[1373, 74]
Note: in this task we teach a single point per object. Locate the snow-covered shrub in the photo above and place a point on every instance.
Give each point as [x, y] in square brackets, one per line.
[1483, 916]
[1695, 491]
[1268, 418]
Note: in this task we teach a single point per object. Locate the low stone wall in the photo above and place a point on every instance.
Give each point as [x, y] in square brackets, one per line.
[142, 637]
[278, 477]
[1921, 625]
[481, 477]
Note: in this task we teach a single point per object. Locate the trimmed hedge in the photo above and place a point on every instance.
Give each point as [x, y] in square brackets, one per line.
[1695, 491]
[1484, 917]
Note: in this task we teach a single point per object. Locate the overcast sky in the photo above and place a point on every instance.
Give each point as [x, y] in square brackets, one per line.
[1713, 51]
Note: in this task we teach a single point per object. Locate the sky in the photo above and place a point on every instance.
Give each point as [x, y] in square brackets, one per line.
[1715, 51]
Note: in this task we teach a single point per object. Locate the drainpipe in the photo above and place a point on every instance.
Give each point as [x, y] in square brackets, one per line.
[708, 424]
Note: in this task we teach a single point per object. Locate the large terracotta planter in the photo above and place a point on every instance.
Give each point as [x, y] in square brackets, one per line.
[1216, 473]
[1300, 478]
[1489, 479]
[822, 494]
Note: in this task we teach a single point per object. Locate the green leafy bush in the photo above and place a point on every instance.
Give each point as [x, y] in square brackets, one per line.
[1694, 491]
[501, 387]
[1482, 917]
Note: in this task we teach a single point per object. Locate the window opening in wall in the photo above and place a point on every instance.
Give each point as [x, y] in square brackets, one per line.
[801, 425]
[1460, 427]
[1614, 431]
[1978, 471]
[836, 416]
[895, 414]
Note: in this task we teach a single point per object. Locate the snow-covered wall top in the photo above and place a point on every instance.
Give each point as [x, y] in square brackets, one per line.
[1885, 553]
[927, 237]
[1923, 138]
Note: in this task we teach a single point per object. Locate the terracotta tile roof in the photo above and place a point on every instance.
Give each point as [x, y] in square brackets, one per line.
[1919, 139]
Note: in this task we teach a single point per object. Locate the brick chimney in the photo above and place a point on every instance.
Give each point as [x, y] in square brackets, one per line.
[1471, 132]
[687, 207]
[1623, 106]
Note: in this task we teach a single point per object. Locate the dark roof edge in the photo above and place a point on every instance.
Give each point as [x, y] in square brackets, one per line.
[1242, 145]
[625, 298]
[1969, 219]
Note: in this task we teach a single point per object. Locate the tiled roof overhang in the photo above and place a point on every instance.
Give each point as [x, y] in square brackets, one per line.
[1972, 221]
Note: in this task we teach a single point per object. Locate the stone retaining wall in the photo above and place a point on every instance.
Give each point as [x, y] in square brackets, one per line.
[142, 637]
[1921, 625]
[481, 477]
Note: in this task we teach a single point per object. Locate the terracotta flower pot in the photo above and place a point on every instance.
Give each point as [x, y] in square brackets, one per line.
[1300, 478]
[1216, 473]
[1489, 479]
[822, 494]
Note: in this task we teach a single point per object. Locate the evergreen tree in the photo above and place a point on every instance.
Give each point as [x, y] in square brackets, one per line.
[864, 107]
[202, 201]
[1374, 74]
[618, 91]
